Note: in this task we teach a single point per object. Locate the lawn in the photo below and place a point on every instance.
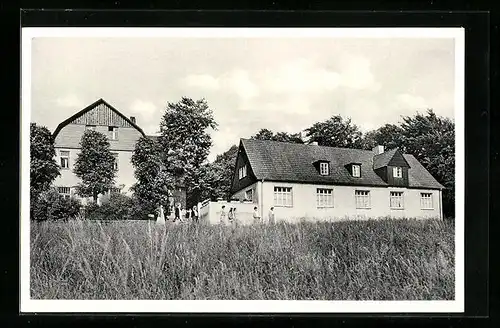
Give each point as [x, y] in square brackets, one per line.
[349, 260]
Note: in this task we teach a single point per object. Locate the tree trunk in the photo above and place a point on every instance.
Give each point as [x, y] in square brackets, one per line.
[94, 195]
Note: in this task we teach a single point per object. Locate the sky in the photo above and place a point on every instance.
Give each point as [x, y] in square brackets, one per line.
[283, 84]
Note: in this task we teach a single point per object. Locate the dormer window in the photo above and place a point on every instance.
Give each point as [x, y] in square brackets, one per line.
[397, 172]
[356, 170]
[323, 168]
[242, 172]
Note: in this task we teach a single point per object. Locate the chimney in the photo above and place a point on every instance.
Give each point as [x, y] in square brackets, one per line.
[378, 149]
[132, 118]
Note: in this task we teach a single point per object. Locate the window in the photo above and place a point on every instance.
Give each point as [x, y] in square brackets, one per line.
[356, 171]
[426, 201]
[115, 155]
[324, 197]
[242, 172]
[396, 198]
[90, 127]
[362, 198]
[397, 172]
[114, 190]
[323, 168]
[113, 132]
[249, 194]
[283, 196]
[64, 191]
[64, 159]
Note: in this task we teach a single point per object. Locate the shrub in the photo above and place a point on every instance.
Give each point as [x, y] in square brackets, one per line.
[118, 206]
[50, 205]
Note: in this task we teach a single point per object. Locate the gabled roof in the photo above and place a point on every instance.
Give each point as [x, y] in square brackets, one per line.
[385, 158]
[90, 107]
[291, 162]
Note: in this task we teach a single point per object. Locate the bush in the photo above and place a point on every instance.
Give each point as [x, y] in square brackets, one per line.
[118, 206]
[50, 205]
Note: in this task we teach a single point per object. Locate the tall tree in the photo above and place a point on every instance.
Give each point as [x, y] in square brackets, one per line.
[94, 165]
[390, 136]
[185, 140]
[218, 175]
[266, 134]
[43, 167]
[336, 132]
[153, 181]
[431, 139]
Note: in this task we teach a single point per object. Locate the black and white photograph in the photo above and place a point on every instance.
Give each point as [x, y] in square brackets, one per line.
[242, 170]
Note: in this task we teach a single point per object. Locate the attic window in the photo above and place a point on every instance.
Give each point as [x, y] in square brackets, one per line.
[356, 170]
[242, 172]
[323, 168]
[113, 132]
[397, 172]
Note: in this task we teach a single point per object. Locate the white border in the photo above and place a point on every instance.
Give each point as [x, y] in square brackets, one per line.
[147, 306]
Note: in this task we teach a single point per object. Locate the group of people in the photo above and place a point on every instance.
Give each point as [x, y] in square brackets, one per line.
[180, 214]
[231, 215]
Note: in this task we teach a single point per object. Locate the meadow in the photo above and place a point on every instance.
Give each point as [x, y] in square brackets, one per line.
[349, 260]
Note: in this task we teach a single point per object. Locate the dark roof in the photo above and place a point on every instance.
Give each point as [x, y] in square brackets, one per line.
[383, 159]
[282, 161]
[90, 107]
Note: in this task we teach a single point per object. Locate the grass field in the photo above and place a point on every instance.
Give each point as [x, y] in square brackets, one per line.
[353, 260]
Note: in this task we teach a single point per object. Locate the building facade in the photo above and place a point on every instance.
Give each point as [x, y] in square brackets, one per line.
[122, 132]
[310, 181]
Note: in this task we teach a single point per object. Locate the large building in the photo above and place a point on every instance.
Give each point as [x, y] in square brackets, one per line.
[123, 133]
[311, 181]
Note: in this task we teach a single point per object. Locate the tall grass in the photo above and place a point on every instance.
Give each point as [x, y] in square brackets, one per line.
[354, 260]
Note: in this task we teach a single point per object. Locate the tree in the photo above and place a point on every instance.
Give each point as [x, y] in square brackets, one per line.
[43, 167]
[218, 175]
[389, 136]
[94, 165]
[335, 132]
[431, 139]
[266, 134]
[185, 140]
[153, 180]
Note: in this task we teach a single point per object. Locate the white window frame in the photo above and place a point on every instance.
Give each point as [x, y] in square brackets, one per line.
[397, 172]
[66, 157]
[324, 168]
[356, 170]
[113, 133]
[324, 197]
[64, 191]
[242, 171]
[115, 155]
[426, 197]
[283, 196]
[362, 198]
[249, 191]
[394, 196]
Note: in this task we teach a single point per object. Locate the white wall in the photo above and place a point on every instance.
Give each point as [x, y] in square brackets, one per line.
[304, 203]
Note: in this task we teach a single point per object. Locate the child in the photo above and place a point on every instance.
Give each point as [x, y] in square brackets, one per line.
[177, 212]
[271, 215]
[230, 215]
[256, 216]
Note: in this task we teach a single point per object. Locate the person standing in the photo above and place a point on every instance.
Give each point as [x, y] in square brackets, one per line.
[223, 215]
[230, 215]
[177, 212]
[271, 215]
[256, 216]
[194, 214]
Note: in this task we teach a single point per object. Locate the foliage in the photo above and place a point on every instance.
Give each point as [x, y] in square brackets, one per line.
[94, 165]
[185, 140]
[335, 132]
[218, 176]
[115, 206]
[266, 134]
[50, 205]
[389, 135]
[153, 179]
[43, 167]
[353, 260]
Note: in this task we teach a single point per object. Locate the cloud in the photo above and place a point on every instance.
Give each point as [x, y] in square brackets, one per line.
[70, 101]
[409, 101]
[146, 109]
[240, 83]
[202, 81]
[355, 72]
